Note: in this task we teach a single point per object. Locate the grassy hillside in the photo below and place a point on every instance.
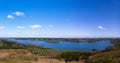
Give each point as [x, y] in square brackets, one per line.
[12, 52]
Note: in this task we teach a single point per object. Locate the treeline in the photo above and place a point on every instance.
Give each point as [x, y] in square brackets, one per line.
[6, 44]
[64, 39]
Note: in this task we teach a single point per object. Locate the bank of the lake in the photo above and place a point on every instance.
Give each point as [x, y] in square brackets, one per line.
[67, 45]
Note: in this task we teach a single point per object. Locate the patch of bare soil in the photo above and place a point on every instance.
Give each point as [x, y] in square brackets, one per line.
[48, 60]
[3, 54]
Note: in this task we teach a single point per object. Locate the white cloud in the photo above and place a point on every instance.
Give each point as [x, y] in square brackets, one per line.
[35, 26]
[21, 27]
[2, 27]
[10, 17]
[115, 34]
[101, 27]
[18, 13]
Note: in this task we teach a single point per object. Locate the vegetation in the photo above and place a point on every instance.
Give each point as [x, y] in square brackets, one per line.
[12, 52]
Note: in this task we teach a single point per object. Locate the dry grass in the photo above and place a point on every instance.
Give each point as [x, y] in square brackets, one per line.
[47, 60]
[76, 62]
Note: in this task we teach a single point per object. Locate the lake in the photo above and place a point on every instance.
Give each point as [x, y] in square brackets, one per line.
[102, 45]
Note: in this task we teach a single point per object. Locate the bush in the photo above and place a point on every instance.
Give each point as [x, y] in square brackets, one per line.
[75, 56]
[103, 61]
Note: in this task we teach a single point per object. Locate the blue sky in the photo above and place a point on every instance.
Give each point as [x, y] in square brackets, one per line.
[60, 18]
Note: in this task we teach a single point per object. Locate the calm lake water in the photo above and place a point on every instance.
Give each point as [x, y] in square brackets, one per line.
[70, 45]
